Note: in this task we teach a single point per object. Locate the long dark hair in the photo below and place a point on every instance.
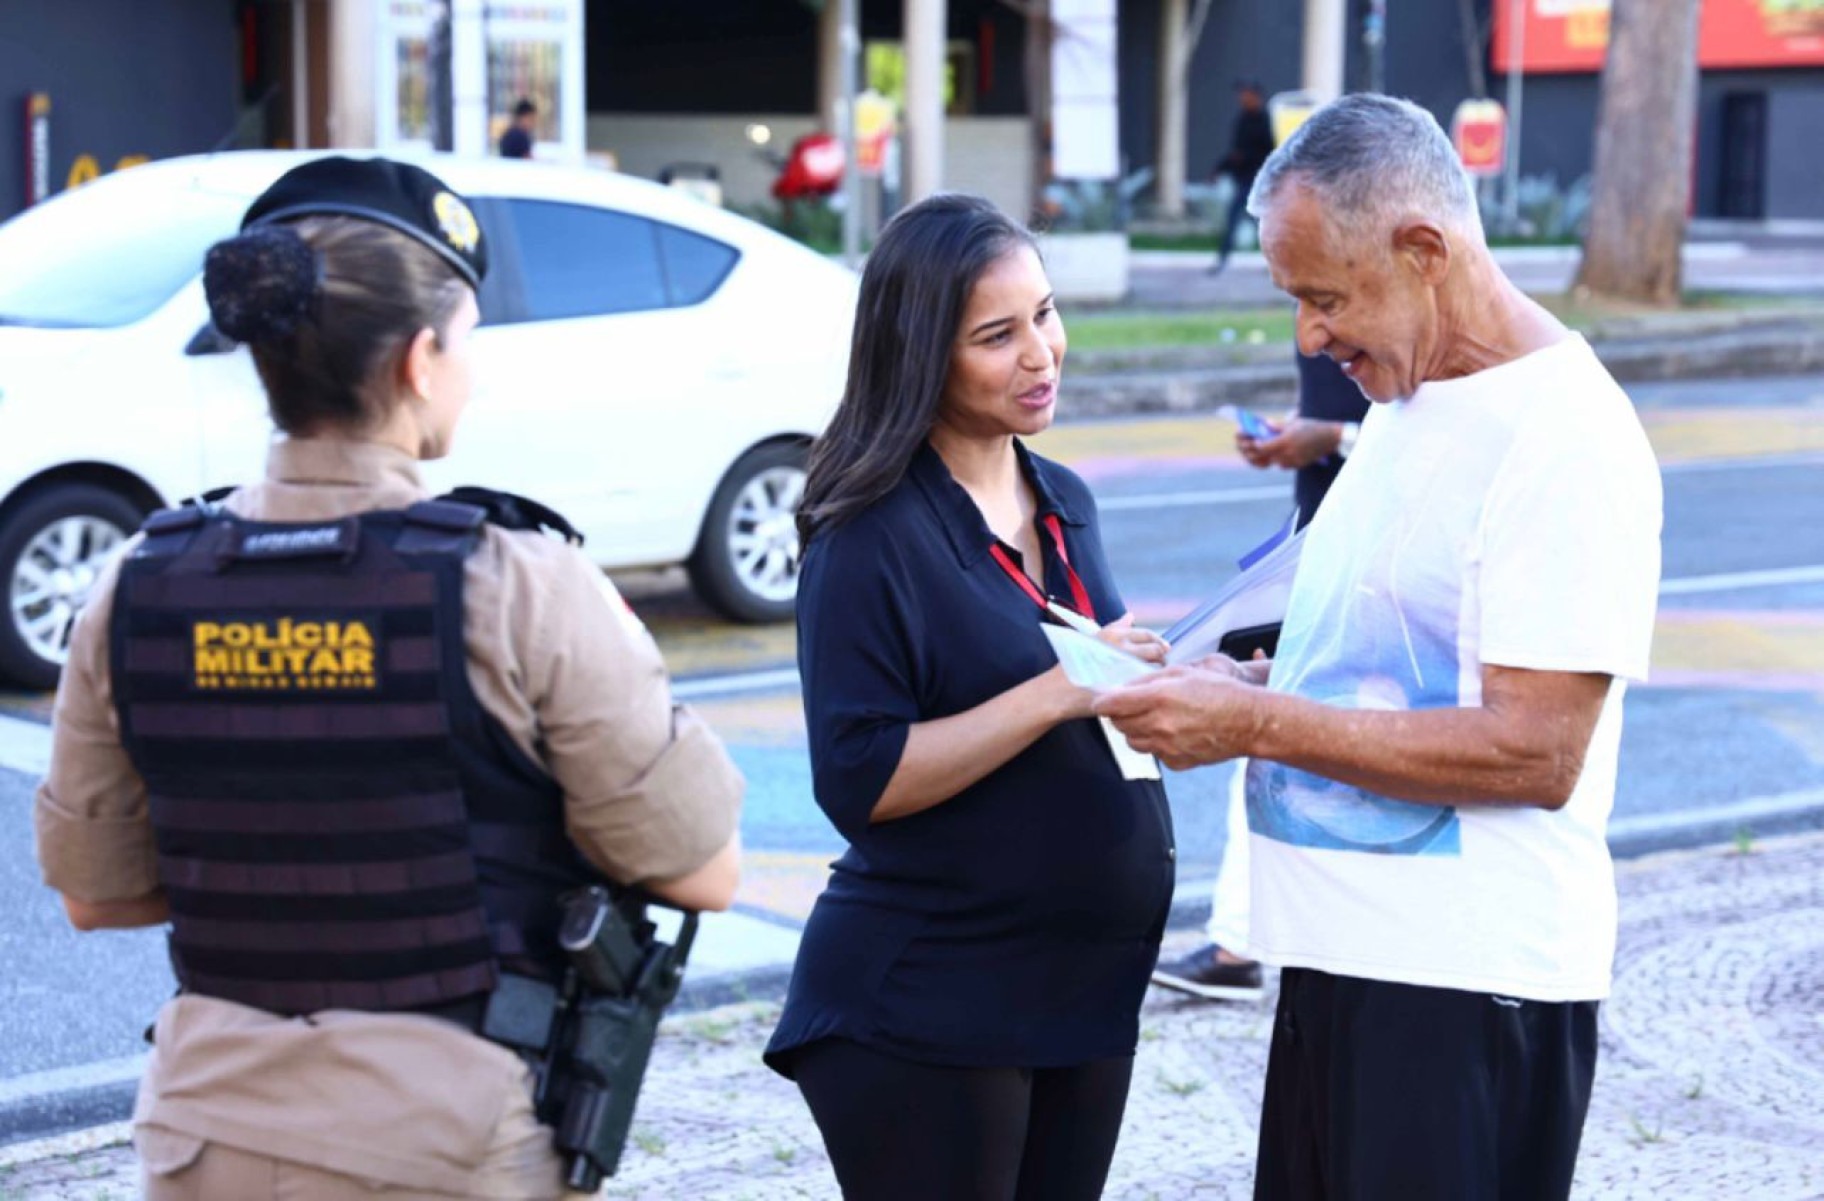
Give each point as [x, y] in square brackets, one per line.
[913, 292]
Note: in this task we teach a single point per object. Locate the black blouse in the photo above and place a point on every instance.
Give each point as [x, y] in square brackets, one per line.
[1015, 924]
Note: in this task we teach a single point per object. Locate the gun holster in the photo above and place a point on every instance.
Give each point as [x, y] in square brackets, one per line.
[591, 1047]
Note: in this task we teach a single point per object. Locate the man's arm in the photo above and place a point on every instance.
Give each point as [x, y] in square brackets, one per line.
[1524, 746]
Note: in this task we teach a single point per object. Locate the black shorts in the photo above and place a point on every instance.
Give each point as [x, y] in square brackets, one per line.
[1393, 1092]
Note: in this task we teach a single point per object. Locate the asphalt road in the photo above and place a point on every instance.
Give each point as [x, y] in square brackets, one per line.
[1734, 718]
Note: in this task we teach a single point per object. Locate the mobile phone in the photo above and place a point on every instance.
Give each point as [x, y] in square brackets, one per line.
[1255, 427]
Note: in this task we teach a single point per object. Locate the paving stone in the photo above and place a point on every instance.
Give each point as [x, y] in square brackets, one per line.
[1710, 1082]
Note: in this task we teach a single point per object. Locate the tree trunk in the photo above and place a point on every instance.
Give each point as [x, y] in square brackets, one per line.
[1174, 106]
[1644, 136]
[1037, 66]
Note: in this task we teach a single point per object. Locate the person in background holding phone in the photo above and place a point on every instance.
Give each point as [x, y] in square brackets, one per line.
[1314, 442]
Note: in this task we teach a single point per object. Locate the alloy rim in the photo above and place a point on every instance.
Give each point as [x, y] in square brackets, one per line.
[52, 579]
[763, 533]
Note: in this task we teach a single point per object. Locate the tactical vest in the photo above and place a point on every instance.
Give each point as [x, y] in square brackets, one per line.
[338, 821]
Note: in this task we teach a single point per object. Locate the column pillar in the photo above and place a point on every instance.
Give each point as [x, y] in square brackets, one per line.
[1174, 106]
[352, 31]
[924, 118]
[1326, 31]
[829, 65]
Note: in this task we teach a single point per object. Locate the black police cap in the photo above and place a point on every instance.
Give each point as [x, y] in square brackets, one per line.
[397, 195]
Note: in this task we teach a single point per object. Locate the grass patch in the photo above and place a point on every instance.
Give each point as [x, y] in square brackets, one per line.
[1204, 241]
[1133, 331]
[1200, 241]
[1180, 1088]
[1749, 302]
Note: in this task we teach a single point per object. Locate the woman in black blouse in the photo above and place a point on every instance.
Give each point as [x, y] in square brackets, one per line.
[965, 1005]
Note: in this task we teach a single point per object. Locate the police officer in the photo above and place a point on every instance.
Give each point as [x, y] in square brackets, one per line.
[353, 744]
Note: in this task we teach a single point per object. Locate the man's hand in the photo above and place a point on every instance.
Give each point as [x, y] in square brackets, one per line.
[1301, 443]
[1187, 716]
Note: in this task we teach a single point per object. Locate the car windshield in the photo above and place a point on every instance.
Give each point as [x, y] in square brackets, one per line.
[108, 254]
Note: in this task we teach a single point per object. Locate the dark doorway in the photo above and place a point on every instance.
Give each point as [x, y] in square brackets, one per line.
[1744, 193]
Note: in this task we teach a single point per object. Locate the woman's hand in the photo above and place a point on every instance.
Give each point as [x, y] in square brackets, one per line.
[1142, 644]
[1254, 671]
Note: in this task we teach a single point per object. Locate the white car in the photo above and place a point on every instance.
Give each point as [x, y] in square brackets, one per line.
[649, 366]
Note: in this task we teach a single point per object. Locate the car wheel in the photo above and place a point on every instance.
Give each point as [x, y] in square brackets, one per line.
[746, 561]
[52, 547]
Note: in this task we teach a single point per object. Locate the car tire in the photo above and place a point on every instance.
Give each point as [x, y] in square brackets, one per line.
[51, 548]
[746, 562]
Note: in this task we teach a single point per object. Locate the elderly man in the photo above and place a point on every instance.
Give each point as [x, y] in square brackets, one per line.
[1434, 749]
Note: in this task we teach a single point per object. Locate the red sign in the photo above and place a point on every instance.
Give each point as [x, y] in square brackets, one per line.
[1573, 35]
[814, 168]
[1479, 130]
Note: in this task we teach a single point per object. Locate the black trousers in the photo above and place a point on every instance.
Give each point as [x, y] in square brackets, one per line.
[902, 1131]
[1393, 1092]
[1238, 211]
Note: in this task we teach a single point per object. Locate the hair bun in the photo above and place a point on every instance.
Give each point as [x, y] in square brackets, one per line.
[261, 283]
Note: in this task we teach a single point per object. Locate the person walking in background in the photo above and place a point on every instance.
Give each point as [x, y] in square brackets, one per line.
[360, 828]
[1249, 146]
[1314, 442]
[1433, 749]
[965, 1005]
[516, 140]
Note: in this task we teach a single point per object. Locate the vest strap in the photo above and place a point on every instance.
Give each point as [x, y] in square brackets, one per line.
[440, 527]
[169, 531]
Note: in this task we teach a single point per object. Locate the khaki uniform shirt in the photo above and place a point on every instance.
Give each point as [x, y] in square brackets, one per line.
[557, 657]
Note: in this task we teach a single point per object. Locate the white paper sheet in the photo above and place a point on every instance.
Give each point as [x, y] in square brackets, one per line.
[1256, 597]
[1092, 663]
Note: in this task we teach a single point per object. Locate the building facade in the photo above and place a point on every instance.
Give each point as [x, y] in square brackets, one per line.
[659, 86]
[1760, 98]
[99, 86]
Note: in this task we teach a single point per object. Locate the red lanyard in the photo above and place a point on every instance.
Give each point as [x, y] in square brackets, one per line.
[1079, 595]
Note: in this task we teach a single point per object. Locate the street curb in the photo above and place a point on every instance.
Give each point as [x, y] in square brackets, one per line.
[1175, 384]
[50, 1114]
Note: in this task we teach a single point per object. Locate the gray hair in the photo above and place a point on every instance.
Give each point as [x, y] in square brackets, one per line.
[1373, 161]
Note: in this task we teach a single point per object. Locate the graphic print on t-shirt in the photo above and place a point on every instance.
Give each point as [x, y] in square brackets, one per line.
[1382, 634]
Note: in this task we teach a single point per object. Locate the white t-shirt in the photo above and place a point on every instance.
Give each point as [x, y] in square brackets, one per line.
[1512, 518]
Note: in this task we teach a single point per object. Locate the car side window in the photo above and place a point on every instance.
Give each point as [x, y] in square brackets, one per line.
[695, 266]
[576, 261]
[501, 297]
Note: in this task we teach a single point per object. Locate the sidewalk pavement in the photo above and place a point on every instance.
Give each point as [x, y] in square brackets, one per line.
[1710, 1083]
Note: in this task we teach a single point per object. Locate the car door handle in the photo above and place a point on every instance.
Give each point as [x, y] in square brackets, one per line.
[727, 368]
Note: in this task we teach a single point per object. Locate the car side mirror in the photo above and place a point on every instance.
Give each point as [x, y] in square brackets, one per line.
[210, 340]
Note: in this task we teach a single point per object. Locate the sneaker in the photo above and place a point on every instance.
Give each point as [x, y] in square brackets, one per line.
[1203, 974]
